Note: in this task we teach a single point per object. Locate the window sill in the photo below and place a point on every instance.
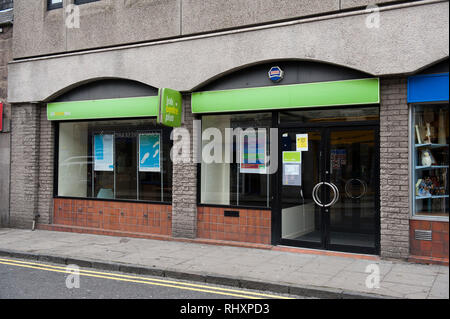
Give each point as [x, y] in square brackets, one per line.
[234, 207]
[114, 200]
[430, 218]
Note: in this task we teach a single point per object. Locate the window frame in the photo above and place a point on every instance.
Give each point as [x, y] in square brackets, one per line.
[412, 168]
[80, 2]
[165, 131]
[53, 6]
[271, 180]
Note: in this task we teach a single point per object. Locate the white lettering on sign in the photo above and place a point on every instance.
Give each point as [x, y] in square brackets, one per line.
[169, 118]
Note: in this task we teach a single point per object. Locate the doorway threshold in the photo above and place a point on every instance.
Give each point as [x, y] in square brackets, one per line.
[320, 252]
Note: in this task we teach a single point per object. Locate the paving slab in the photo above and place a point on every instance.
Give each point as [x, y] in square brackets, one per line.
[440, 287]
[307, 273]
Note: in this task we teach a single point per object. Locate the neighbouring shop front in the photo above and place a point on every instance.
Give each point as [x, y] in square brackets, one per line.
[314, 182]
[428, 95]
[112, 165]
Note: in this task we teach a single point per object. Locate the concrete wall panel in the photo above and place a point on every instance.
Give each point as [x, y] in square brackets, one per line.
[36, 30]
[203, 16]
[397, 47]
[39, 31]
[112, 22]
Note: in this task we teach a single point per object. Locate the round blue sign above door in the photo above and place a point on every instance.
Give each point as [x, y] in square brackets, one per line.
[276, 74]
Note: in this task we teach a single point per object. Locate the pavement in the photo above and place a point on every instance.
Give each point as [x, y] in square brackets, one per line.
[302, 274]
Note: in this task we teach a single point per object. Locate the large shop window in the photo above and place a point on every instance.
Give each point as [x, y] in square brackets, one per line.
[431, 159]
[235, 182]
[123, 160]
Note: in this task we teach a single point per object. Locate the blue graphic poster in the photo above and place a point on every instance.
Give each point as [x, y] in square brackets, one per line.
[104, 153]
[253, 153]
[149, 153]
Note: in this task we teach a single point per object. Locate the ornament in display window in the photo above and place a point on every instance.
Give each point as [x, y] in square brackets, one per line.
[442, 136]
[427, 158]
[424, 187]
[428, 134]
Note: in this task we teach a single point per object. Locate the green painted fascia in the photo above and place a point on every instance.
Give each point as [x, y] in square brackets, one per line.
[103, 109]
[335, 93]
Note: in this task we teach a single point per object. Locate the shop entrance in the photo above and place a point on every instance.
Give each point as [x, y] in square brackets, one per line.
[328, 196]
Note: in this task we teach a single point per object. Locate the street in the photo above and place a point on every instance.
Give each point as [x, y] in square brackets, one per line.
[22, 279]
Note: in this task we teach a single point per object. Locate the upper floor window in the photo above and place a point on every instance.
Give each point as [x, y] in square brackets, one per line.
[54, 4]
[6, 4]
[84, 1]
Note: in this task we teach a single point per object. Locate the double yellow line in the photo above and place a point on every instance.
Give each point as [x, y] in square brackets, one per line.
[145, 280]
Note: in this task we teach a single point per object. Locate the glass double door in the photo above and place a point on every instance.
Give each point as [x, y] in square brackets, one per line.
[328, 195]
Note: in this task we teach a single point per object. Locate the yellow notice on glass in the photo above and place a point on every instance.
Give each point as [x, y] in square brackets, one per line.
[302, 142]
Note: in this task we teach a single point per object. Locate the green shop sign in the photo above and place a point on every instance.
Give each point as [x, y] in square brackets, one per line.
[335, 93]
[170, 108]
[103, 109]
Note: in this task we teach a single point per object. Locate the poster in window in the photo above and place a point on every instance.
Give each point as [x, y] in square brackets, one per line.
[149, 152]
[338, 158]
[104, 153]
[253, 152]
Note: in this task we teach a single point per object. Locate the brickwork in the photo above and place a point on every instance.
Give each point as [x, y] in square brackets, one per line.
[25, 121]
[115, 216]
[394, 168]
[184, 182]
[438, 247]
[252, 226]
[46, 159]
[32, 154]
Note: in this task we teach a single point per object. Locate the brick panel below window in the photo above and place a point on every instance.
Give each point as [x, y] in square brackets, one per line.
[251, 226]
[437, 247]
[117, 216]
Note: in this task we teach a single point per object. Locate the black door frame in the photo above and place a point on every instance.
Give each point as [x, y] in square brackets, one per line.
[326, 128]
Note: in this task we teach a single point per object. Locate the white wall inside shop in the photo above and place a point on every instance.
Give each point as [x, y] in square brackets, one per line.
[297, 221]
[73, 159]
[215, 182]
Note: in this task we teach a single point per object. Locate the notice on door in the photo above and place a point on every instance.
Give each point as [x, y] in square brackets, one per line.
[302, 142]
[292, 169]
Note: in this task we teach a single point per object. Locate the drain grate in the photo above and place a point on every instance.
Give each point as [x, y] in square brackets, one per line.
[423, 235]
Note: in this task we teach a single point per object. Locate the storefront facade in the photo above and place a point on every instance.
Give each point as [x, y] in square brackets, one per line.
[330, 117]
[112, 165]
[429, 118]
[328, 197]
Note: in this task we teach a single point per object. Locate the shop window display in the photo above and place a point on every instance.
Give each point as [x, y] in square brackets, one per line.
[115, 160]
[237, 182]
[431, 160]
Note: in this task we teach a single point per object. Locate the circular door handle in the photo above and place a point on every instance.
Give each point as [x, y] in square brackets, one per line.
[314, 195]
[316, 199]
[363, 183]
[336, 194]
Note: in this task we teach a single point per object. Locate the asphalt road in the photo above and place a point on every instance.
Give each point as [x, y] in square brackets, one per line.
[25, 279]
